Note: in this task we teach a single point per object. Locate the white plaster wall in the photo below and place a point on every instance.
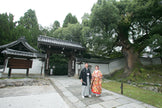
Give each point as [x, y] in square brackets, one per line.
[145, 61]
[116, 65]
[36, 68]
[149, 61]
[103, 67]
[156, 61]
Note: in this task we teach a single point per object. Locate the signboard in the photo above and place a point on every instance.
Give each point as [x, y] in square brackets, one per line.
[19, 64]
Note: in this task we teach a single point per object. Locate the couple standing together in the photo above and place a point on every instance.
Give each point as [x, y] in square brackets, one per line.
[91, 83]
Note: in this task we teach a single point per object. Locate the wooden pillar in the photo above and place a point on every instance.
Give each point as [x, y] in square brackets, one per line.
[121, 87]
[47, 63]
[70, 67]
[73, 72]
[9, 72]
[27, 72]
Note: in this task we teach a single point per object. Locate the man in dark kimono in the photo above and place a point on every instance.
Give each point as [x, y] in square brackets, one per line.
[85, 77]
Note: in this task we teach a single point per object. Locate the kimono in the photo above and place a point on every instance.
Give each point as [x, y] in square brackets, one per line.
[96, 82]
[85, 75]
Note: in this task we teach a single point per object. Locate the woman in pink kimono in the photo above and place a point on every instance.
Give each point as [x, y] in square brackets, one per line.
[96, 81]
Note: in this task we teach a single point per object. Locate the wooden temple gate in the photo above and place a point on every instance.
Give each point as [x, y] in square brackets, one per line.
[69, 49]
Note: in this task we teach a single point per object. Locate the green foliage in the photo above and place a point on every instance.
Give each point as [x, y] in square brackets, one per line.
[70, 19]
[150, 73]
[7, 28]
[55, 26]
[130, 24]
[86, 19]
[45, 31]
[104, 17]
[72, 32]
[61, 64]
[85, 36]
[28, 24]
[140, 94]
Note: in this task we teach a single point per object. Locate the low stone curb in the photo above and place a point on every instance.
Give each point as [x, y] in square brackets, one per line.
[22, 82]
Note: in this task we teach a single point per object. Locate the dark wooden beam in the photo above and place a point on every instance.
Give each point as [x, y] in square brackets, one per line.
[9, 73]
[27, 72]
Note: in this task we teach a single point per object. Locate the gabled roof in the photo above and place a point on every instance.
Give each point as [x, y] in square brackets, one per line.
[45, 40]
[20, 40]
[23, 53]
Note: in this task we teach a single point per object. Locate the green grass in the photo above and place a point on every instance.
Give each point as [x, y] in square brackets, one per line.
[149, 73]
[146, 96]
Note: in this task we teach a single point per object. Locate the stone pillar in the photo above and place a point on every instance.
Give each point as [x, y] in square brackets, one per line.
[76, 69]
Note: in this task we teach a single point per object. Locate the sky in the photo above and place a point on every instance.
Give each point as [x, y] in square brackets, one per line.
[47, 11]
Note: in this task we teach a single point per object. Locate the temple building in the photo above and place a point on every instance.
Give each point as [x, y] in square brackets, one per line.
[19, 58]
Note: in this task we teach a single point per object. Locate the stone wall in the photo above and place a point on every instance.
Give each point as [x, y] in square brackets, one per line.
[149, 61]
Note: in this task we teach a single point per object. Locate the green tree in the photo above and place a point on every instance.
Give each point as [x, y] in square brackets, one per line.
[156, 41]
[104, 19]
[70, 19]
[86, 19]
[56, 25]
[30, 24]
[7, 28]
[129, 28]
[72, 32]
[44, 30]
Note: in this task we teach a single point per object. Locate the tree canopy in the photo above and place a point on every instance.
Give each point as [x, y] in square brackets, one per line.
[7, 28]
[125, 23]
[70, 19]
[114, 28]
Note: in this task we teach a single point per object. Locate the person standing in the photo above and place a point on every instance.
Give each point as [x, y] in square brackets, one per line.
[85, 77]
[96, 86]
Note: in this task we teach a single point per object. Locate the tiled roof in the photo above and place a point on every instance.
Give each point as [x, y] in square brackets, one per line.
[20, 40]
[45, 40]
[23, 53]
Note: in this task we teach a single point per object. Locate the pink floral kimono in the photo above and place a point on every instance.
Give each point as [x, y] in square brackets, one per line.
[96, 82]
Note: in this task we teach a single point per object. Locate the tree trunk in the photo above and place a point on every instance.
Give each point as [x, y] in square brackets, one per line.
[132, 60]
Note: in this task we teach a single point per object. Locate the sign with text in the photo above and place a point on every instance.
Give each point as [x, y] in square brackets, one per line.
[19, 64]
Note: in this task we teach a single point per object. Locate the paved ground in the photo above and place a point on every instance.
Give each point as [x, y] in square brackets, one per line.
[64, 92]
[44, 96]
[70, 89]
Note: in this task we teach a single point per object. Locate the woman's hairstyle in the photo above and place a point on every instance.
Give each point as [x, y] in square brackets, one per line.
[86, 62]
[97, 66]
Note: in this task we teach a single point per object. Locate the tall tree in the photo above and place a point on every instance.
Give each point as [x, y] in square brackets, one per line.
[7, 28]
[86, 19]
[30, 24]
[70, 19]
[129, 28]
[56, 25]
[104, 19]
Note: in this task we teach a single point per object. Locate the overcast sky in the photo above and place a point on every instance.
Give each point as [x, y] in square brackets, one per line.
[47, 11]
